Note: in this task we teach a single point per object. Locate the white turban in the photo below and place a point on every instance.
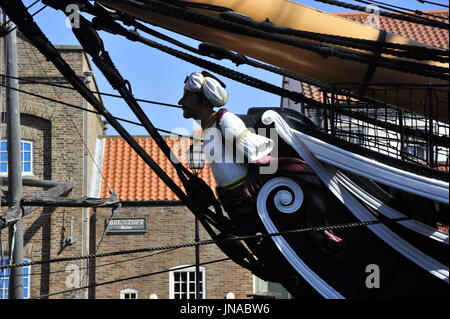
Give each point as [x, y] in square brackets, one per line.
[210, 87]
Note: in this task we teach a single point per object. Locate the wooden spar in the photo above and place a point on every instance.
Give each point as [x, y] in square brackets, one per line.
[285, 13]
[12, 214]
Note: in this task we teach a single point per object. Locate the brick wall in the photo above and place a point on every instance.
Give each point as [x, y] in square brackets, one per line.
[166, 225]
[57, 155]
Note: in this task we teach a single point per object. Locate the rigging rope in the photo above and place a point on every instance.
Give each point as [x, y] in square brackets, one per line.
[210, 241]
[4, 32]
[221, 24]
[84, 109]
[383, 6]
[418, 12]
[262, 85]
[29, 7]
[129, 278]
[435, 3]
[42, 273]
[417, 20]
[95, 92]
[414, 52]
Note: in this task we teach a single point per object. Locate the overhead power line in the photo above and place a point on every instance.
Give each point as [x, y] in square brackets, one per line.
[418, 20]
[87, 110]
[95, 92]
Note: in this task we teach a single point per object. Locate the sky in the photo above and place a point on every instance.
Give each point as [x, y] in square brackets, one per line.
[157, 76]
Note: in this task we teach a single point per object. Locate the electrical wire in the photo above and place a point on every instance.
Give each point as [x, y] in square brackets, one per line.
[95, 92]
[87, 110]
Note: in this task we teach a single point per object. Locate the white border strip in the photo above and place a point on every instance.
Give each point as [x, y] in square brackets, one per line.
[426, 187]
[328, 177]
[321, 286]
[387, 211]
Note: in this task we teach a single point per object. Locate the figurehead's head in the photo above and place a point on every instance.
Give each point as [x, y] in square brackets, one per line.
[202, 92]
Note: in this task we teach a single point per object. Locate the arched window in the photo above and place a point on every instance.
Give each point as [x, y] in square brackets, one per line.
[182, 283]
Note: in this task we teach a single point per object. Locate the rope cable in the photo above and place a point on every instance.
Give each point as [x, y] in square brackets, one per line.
[417, 20]
[217, 23]
[3, 34]
[94, 266]
[210, 241]
[128, 278]
[29, 7]
[418, 12]
[435, 3]
[87, 110]
[413, 52]
[383, 6]
[95, 92]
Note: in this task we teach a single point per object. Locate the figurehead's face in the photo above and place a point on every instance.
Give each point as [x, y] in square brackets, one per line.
[191, 102]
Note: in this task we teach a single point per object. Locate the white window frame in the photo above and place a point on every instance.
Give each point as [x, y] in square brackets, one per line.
[129, 291]
[2, 272]
[189, 269]
[31, 172]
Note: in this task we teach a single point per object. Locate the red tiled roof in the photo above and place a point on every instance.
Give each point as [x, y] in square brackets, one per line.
[429, 35]
[128, 175]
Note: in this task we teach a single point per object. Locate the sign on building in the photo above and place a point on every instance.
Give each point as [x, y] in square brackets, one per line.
[126, 225]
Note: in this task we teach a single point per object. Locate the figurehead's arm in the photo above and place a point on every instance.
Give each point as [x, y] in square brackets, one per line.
[251, 145]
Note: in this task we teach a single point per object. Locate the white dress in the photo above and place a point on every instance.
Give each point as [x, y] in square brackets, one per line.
[227, 169]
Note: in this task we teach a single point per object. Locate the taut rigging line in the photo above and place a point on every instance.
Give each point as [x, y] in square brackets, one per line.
[417, 20]
[211, 241]
[236, 250]
[221, 24]
[87, 110]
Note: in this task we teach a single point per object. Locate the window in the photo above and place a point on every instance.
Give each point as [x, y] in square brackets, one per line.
[183, 285]
[26, 157]
[4, 279]
[129, 294]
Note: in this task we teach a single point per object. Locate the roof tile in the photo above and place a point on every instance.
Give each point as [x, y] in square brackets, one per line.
[425, 34]
[128, 175]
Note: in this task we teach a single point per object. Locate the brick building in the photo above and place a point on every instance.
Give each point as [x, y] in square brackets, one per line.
[52, 150]
[168, 222]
